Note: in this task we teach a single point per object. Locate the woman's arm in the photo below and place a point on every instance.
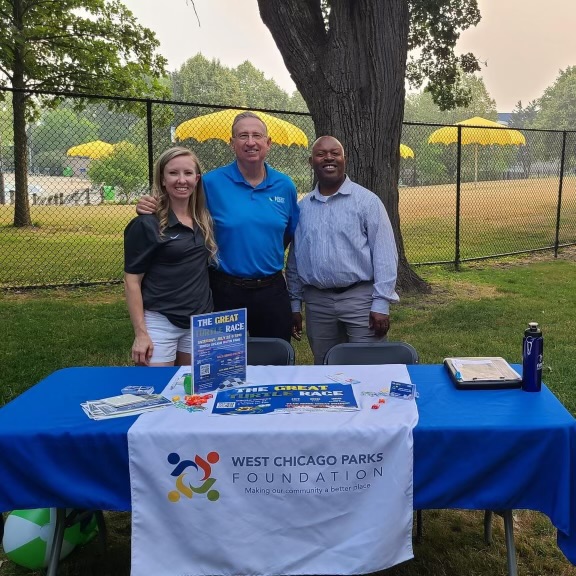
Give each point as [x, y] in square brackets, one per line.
[142, 348]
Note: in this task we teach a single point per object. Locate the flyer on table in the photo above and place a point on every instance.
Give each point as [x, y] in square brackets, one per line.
[218, 349]
[285, 398]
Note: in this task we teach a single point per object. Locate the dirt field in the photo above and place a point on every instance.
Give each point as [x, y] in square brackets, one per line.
[514, 200]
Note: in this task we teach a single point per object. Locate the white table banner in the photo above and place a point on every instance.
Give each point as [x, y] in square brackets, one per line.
[281, 494]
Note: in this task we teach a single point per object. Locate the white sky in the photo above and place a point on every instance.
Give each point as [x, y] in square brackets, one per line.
[524, 42]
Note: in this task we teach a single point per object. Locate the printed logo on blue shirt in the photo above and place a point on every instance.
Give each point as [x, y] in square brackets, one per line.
[279, 199]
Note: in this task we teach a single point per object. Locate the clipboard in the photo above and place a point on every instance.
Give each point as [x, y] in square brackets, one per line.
[482, 373]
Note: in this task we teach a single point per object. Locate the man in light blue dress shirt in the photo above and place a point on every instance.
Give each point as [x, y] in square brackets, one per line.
[343, 261]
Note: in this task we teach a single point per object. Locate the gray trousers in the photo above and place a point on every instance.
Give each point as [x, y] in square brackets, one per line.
[333, 318]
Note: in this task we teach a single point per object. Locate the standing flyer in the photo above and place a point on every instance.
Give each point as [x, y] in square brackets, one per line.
[218, 349]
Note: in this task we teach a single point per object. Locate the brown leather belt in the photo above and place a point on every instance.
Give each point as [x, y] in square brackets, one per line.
[246, 282]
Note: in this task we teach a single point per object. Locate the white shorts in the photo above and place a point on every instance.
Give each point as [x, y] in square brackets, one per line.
[166, 337]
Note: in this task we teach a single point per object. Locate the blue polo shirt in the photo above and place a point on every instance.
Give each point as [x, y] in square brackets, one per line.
[250, 221]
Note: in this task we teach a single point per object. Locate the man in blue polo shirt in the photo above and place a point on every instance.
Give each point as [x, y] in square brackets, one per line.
[255, 213]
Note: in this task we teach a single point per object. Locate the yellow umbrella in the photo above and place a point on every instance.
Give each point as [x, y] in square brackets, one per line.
[93, 150]
[406, 151]
[219, 126]
[478, 131]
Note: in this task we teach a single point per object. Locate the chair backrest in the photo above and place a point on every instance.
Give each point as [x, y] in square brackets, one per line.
[372, 353]
[269, 352]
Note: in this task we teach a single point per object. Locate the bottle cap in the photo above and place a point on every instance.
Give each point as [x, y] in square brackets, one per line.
[533, 325]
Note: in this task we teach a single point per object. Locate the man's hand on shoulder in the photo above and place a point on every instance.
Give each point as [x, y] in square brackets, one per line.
[147, 205]
[380, 323]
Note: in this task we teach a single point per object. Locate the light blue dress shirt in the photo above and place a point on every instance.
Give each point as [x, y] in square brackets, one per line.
[343, 239]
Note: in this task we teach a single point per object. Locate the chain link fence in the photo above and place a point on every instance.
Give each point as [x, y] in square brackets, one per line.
[90, 159]
[486, 192]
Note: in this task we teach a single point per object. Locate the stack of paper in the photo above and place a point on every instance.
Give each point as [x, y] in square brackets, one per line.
[124, 405]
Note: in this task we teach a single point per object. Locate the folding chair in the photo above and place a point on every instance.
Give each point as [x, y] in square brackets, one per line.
[372, 353]
[376, 353]
[269, 352]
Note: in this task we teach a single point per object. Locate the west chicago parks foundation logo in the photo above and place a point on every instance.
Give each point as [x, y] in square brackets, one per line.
[181, 473]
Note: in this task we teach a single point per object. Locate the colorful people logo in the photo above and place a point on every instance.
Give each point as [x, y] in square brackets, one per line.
[199, 464]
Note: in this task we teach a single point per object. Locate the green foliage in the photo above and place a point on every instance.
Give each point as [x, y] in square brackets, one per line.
[524, 117]
[126, 169]
[556, 109]
[6, 128]
[114, 124]
[431, 170]
[51, 163]
[420, 106]
[557, 106]
[78, 45]
[59, 130]
[536, 145]
[297, 103]
[258, 91]
[204, 81]
[91, 46]
[435, 26]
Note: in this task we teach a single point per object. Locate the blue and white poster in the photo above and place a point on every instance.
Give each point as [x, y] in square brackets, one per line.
[285, 398]
[218, 349]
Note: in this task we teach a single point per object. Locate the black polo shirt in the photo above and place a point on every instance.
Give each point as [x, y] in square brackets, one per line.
[174, 264]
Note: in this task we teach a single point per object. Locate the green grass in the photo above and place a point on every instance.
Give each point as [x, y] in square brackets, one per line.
[481, 310]
[76, 244]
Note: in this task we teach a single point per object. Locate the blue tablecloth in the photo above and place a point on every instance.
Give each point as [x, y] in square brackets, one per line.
[473, 449]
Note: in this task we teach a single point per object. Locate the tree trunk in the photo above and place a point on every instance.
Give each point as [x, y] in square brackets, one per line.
[22, 206]
[351, 75]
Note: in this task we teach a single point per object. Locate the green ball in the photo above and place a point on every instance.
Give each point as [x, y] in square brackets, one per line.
[28, 536]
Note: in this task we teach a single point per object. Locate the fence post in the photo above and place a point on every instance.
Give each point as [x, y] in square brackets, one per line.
[458, 193]
[150, 148]
[560, 184]
[88, 196]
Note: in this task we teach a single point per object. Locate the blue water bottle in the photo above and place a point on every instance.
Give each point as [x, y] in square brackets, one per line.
[532, 350]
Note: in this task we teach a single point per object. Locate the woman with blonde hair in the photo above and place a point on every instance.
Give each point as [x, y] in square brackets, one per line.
[166, 258]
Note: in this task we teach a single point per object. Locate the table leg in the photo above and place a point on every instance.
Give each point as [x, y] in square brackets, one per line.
[57, 542]
[488, 526]
[510, 546]
[508, 536]
[419, 529]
